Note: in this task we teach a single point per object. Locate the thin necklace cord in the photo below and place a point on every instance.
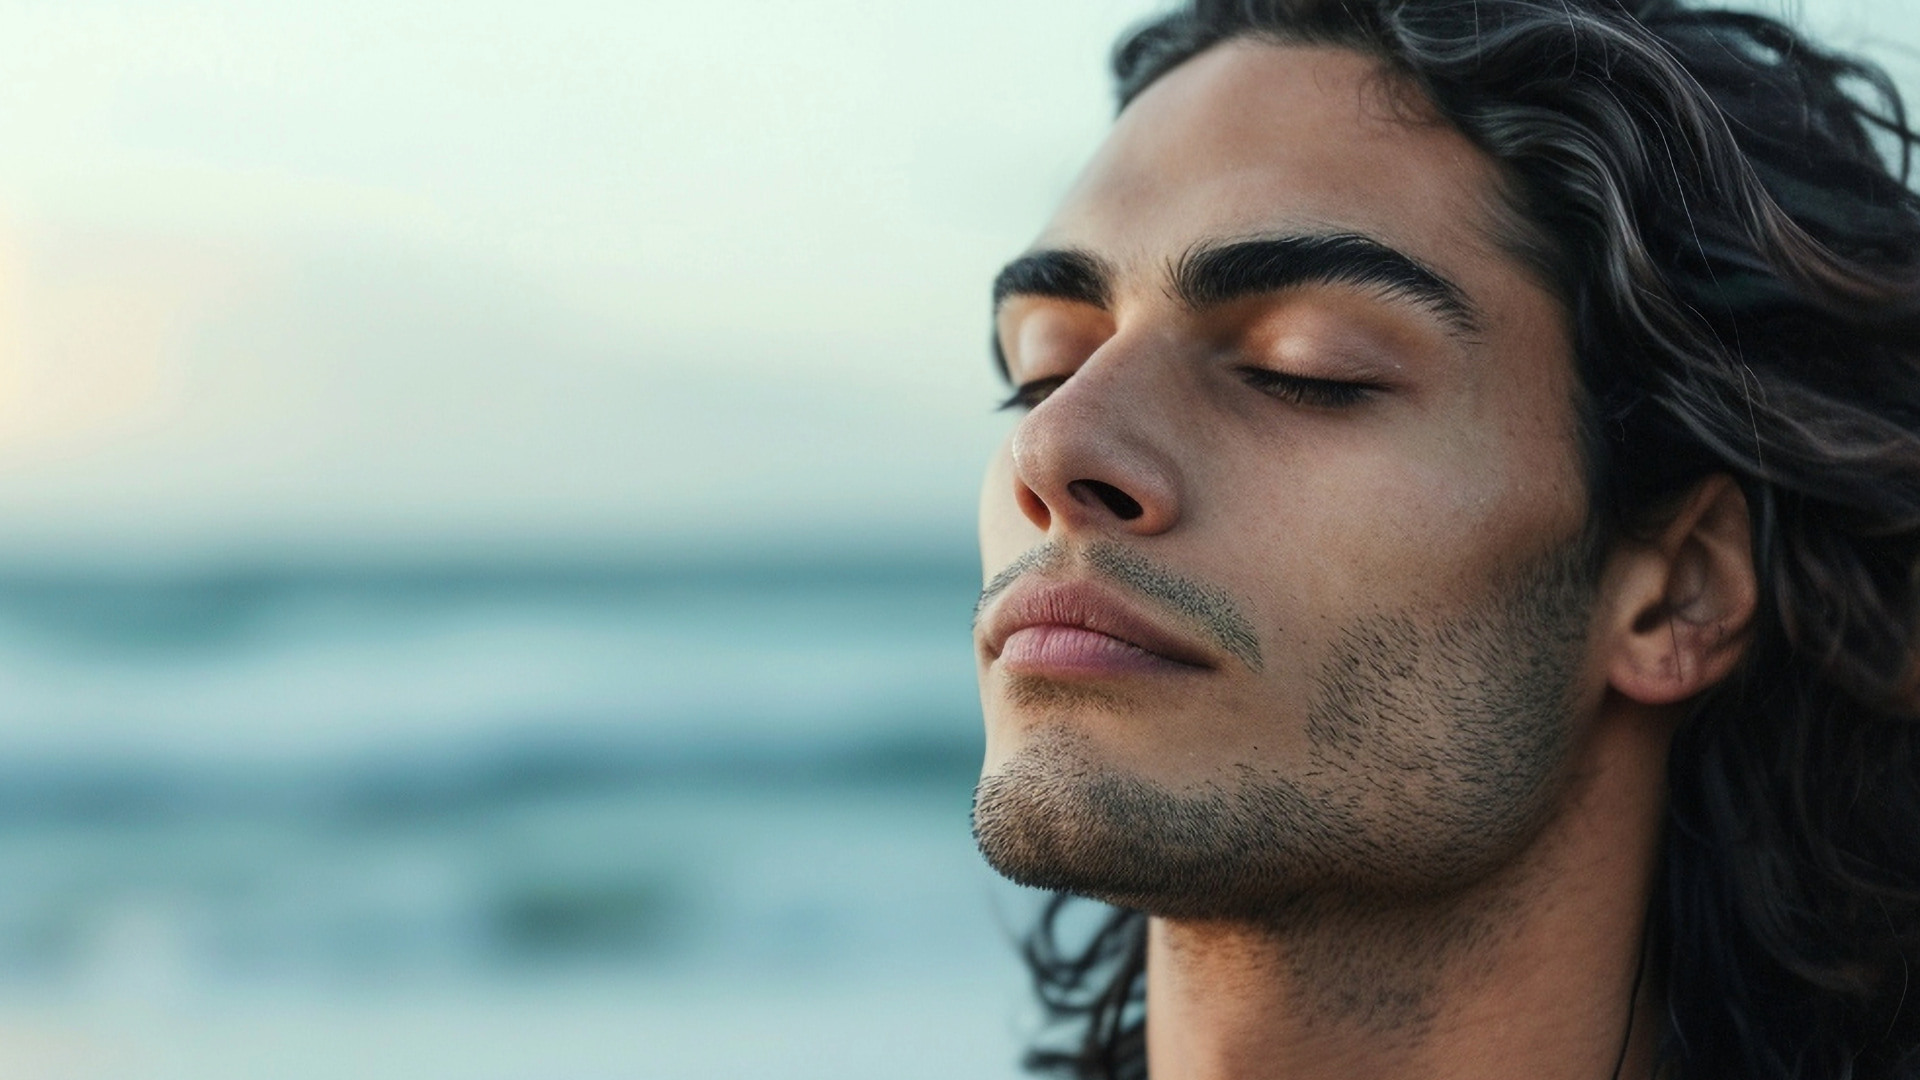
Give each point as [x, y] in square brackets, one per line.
[1633, 1006]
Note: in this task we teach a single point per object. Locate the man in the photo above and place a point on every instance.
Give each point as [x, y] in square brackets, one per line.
[1452, 585]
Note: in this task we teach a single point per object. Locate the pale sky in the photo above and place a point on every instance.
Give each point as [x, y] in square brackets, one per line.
[419, 275]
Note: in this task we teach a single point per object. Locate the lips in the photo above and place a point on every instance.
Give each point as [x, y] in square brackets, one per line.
[1080, 629]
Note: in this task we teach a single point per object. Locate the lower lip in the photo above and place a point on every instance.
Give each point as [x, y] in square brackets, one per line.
[1072, 650]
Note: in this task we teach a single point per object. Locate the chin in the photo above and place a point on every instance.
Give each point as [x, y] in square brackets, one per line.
[1253, 847]
[1053, 817]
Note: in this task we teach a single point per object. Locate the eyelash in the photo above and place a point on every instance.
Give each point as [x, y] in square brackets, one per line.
[1306, 390]
[1296, 389]
[1029, 394]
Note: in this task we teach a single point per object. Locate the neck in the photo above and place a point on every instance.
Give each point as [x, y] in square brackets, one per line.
[1530, 973]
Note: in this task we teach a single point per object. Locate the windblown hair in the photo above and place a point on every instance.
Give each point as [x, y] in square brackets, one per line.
[1725, 211]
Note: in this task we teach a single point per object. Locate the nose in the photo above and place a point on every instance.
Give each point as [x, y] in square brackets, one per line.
[1098, 454]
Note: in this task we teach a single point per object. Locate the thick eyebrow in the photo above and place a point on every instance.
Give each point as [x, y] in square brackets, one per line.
[1062, 274]
[1210, 274]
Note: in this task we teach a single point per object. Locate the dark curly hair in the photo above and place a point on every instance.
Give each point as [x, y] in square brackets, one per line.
[1725, 212]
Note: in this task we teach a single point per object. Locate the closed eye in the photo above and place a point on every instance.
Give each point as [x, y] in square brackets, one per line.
[1306, 390]
[1031, 393]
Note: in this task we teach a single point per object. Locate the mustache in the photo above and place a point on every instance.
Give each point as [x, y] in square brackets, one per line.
[1203, 607]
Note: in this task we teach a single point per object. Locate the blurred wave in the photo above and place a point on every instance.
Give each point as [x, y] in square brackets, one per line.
[298, 663]
[453, 782]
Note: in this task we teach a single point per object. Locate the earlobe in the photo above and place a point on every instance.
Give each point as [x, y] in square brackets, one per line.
[1681, 606]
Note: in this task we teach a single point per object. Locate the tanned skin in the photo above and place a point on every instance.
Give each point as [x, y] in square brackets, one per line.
[1293, 636]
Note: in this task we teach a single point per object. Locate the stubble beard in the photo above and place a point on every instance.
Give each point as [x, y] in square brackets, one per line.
[1435, 746]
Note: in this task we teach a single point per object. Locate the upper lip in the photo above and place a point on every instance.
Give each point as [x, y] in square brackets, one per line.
[1088, 606]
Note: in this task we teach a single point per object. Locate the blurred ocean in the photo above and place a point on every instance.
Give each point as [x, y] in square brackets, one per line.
[498, 821]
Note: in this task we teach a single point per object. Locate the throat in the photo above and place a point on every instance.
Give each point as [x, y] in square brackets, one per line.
[1323, 980]
[1485, 985]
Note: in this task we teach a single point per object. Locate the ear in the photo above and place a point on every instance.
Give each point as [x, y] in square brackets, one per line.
[1679, 609]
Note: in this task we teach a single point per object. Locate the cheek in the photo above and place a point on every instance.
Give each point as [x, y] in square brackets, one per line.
[1431, 526]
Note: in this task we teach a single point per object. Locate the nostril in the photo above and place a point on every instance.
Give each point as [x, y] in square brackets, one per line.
[1122, 505]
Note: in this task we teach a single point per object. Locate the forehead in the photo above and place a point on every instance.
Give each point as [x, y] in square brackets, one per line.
[1253, 137]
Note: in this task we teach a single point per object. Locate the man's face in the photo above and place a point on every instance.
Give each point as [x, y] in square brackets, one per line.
[1286, 589]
